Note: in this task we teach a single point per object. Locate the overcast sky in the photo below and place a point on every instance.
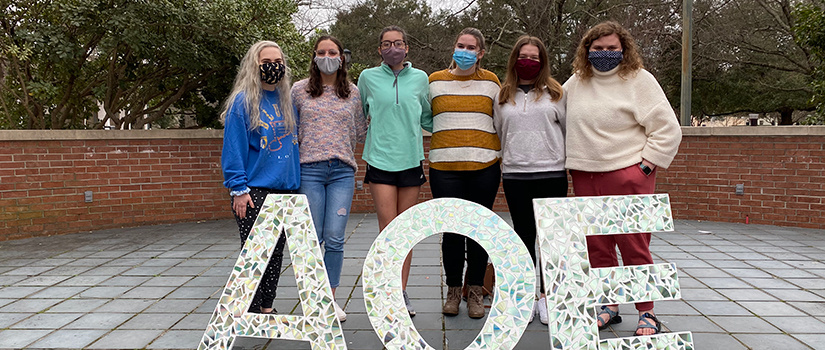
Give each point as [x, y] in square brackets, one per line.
[321, 13]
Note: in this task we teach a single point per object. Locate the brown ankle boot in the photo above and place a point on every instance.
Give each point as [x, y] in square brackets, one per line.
[475, 302]
[453, 299]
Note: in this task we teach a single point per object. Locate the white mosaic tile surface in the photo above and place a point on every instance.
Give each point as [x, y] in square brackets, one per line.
[319, 326]
[575, 291]
[515, 275]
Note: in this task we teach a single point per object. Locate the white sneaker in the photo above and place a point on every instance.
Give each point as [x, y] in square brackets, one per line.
[542, 306]
[342, 316]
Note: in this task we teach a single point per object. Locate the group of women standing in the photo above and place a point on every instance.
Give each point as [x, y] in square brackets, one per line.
[610, 124]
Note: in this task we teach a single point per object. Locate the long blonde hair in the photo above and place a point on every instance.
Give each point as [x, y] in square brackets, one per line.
[248, 82]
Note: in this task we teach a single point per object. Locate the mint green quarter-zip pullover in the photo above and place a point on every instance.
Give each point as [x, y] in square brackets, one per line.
[396, 107]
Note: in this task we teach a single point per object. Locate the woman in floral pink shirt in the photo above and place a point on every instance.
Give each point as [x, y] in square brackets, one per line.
[331, 123]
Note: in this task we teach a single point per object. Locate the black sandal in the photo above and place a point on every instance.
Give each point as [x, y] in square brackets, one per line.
[612, 317]
[644, 319]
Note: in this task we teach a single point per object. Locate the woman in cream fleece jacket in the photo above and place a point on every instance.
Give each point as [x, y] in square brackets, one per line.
[620, 129]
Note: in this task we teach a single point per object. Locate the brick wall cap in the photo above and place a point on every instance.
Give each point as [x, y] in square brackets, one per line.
[760, 131]
[43, 135]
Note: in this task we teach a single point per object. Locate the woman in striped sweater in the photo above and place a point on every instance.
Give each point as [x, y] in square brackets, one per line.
[464, 158]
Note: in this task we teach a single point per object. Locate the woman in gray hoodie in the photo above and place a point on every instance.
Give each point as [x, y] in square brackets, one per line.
[529, 117]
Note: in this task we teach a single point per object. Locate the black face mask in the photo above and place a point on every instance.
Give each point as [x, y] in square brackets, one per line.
[272, 72]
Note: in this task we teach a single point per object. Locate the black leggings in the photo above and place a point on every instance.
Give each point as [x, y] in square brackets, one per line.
[520, 195]
[479, 186]
[265, 294]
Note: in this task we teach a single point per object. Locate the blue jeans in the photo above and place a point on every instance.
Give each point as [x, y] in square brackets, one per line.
[329, 186]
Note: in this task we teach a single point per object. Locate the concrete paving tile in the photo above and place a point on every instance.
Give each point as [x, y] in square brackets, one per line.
[20, 338]
[771, 342]
[69, 338]
[200, 321]
[125, 281]
[253, 343]
[132, 306]
[716, 341]
[99, 320]
[176, 306]
[8, 280]
[42, 280]
[30, 305]
[815, 341]
[85, 280]
[687, 262]
[719, 308]
[67, 270]
[772, 308]
[17, 262]
[106, 271]
[748, 273]
[155, 292]
[208, 307]
[207, 281]
[89, 262]
[794, 295]
[170, 281]
[808, 283]
[360, 340]
[744, 324]
[769, 264]
[748, 256]
[707, 256]
[145, 271]
[14, 292]
[126, 339]
[177, 340]
[195, 262]
[769, 283]
[790, 273]
[28, 270]
[194, 293]
[9, 318]
[103, 292]
[729, 264]
[47, 321]
[188, 271]
[78, 305]
[746, 295]
[703, 272]
[810, 308]
[721, 283]
[58, 292]
[702, 294]
[168, 262]
[152, 321]
[797, 325]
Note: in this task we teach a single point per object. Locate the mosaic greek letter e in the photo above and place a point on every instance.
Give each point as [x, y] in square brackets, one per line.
[574, 289]
[280, 214]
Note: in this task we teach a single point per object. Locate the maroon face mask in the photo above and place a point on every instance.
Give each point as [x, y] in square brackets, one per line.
[527, 69]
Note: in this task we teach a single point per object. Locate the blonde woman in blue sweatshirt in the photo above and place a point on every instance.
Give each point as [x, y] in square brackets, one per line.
[395, 98]
[260, 149]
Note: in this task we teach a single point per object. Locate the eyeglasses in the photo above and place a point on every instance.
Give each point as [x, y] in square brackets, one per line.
[398, 43]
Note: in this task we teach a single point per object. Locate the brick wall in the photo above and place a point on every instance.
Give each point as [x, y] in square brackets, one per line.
[136, 178]
[782, 170]
[163, 176]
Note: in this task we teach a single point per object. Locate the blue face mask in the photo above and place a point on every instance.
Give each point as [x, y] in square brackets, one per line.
[604, 61]
[465, 59]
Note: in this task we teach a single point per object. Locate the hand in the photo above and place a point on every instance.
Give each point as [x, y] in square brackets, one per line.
[240, 203]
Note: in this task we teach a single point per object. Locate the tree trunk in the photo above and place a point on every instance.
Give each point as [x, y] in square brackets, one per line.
[786, 114]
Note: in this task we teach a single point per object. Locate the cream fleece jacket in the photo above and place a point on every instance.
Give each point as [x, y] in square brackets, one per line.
[615, 122]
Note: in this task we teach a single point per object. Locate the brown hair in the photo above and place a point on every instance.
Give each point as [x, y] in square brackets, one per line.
[392, 28]
[479, 44]
[315, 88]
[631, 60]
[543, 79]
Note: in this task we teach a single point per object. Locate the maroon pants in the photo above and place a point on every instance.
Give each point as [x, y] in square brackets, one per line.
[635, 248]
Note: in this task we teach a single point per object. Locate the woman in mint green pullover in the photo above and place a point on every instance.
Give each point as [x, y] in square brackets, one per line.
[395, 97]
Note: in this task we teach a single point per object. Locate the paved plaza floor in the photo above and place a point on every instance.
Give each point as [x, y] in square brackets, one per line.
[155, 287]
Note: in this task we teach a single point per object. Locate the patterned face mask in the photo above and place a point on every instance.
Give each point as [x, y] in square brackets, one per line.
[604, 61]
[272, 72]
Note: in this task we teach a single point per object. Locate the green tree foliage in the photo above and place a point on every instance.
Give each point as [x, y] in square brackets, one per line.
[810, 34]
[139, 61]
[747, 59]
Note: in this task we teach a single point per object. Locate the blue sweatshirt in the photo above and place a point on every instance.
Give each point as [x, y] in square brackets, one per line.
[266, 157]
